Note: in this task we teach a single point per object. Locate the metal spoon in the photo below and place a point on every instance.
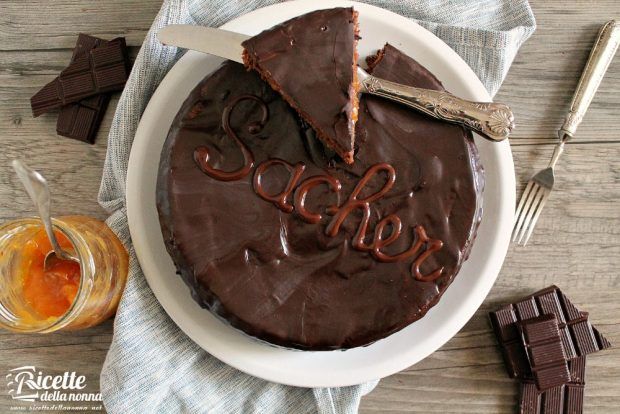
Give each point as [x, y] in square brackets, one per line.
[37, 189]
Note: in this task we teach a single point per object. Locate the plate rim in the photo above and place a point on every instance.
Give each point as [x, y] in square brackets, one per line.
[497, 251]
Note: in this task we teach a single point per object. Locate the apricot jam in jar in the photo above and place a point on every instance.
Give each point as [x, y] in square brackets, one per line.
[64, 295]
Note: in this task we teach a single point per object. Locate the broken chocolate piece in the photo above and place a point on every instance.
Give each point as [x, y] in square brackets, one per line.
[563, 399]
[540, 337]
[103, 69]
[578, 336]
[81, 120]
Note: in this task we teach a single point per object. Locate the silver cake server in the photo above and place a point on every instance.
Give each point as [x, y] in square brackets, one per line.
[493, 121]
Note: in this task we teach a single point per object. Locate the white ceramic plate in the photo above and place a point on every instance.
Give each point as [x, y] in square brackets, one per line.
[334, 368]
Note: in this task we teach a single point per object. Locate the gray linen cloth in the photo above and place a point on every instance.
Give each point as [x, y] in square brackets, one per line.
[152, 366]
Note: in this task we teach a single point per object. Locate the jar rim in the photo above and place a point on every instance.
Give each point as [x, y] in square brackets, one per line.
[75, 240]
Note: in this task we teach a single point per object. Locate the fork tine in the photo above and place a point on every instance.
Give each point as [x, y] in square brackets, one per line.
[520, 213]
[542, 203]
[528, 187]
[528, 209]
[538, 195]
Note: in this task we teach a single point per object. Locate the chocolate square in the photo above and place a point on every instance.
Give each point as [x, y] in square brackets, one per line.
[541, 339]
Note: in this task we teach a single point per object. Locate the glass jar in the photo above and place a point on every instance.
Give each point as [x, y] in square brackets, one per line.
[102, 274]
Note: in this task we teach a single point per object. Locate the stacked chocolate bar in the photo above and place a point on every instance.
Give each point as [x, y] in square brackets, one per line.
[544, 341]
[82, 90]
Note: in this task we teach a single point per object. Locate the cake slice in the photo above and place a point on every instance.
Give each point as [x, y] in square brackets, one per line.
[311, 61]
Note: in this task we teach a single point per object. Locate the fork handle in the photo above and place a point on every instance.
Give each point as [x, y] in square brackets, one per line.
[601, 56]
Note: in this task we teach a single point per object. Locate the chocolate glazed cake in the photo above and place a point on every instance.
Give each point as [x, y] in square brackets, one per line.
[288, 244]
[312, 61]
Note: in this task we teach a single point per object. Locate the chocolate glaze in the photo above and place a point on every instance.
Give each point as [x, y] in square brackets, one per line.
[311, 60]
[422, 246]
[278, 275]
[201, 154]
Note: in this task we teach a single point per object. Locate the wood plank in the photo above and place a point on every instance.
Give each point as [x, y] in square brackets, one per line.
[20, 68]
[44, 25]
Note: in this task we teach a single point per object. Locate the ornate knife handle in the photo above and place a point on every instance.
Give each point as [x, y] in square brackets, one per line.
[492, 120]
[601, 56]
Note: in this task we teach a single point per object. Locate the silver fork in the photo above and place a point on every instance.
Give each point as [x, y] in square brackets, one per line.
[539, 187]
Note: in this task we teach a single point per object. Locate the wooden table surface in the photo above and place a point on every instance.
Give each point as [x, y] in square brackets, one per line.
[576, 244]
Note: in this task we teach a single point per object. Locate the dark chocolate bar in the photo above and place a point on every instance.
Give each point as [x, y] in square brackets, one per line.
[540, 337]
[81, 120]
[578, 336]
[102, 69]
[564, 399]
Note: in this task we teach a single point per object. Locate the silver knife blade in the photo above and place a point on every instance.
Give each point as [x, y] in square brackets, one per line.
[216, 42]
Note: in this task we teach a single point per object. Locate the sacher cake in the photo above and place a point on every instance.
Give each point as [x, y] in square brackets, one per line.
[274, 233]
